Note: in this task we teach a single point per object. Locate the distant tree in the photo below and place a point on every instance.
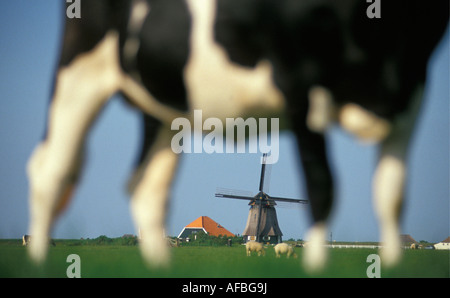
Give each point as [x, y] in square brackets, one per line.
[101, 240]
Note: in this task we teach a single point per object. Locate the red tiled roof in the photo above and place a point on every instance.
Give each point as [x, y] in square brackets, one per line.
[447, 240]
[210, 226]
[406, 238]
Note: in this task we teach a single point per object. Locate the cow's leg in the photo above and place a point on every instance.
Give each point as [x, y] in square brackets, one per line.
[150, 193]
[82, 88]
[388, 193]
[320, 192]
[312, 149]
[389, 181]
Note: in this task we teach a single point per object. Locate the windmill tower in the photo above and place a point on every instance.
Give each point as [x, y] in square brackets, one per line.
[262, 223]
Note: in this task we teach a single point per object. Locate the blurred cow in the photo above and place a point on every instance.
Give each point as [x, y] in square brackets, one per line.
[310, 62]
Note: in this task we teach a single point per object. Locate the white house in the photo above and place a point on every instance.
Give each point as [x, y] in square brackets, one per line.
[444, 244]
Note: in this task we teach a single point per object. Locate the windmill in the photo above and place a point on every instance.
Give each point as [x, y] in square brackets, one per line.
[262, 222]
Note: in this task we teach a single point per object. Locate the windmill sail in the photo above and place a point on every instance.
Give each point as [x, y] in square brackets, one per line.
[264, 182]
[233, 194]
[263, 171]
[289, 200]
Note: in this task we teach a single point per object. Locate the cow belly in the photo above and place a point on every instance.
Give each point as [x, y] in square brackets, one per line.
[219, 87]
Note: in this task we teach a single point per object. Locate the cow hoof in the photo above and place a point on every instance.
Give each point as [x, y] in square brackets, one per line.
[315, 255]
[155, 253]
[390, 255]
[37, 251]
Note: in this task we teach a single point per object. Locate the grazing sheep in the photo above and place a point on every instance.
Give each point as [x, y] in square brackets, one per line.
[254, 246]
[26, 240]
[284, 248]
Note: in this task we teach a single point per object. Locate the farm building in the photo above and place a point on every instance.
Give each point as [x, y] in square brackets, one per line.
[206, 225]
[444, 244]
[407, 240]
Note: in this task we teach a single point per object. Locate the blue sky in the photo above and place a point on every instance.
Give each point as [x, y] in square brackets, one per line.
[29, 39]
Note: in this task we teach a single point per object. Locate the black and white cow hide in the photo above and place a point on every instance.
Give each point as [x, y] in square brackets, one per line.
[311, 62]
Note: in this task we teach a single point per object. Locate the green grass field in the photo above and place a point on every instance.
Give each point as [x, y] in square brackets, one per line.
[211, 262]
